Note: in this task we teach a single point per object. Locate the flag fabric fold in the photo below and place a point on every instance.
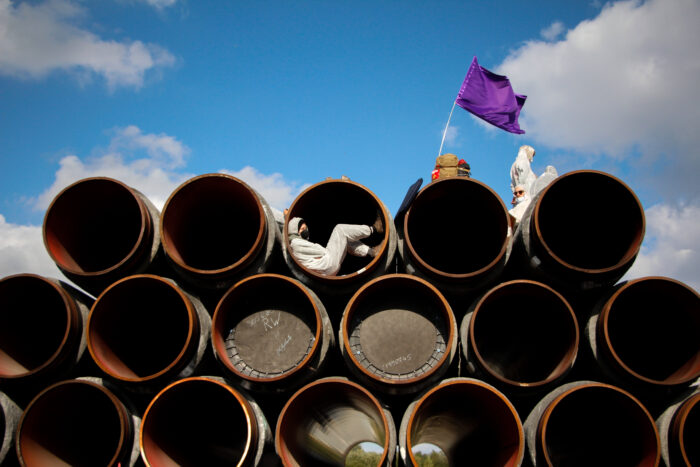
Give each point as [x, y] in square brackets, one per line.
[490, 97]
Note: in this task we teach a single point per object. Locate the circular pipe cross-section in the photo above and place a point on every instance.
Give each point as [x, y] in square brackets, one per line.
[216, 230]
[679, 428]
[398, 334]
[203, 421]
[521, 335]
[456, 234]
[145, 331]
[99, 230]
[470, 422]
[271, 332]
[325, 421]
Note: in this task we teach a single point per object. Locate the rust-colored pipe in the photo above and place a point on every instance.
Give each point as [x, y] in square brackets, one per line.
[470, 421]
[645, 335]
[10, 414]
[77, 422]
[456, 234]
[323, 421]
[271, 332]
[586, 423]
[216, 230]
[98, 230]
[204, 421]
[398, 334]
[145, 331]
[583, 231]
[42, 326]
[521, 335]
[332, 202]
[679, 429]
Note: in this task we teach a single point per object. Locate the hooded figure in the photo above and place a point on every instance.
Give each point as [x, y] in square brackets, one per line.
[345, 238]
[520, 172]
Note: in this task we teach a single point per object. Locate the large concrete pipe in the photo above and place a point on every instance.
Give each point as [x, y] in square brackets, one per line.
[204, 421]
[217, 230]
[577, 242]
[42, 330]
[521, 336]
[144, 331]
[586, 423]
[332, 202]
[78, 422]
[98, 230]
[10, 414]
[679, 430]
[466, 422]
[456, 234]
[644, 336]
[271, 333]
[328, 420]
[398, 334]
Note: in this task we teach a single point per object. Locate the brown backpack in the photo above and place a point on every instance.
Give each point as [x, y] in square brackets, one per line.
[445, 166]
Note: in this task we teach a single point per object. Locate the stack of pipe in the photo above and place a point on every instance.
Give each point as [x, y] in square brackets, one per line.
[194, 336]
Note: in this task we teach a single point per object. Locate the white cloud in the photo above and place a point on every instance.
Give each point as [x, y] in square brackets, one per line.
[22, 251]
[278, 192]
[623, 82]
[160, 4]
[671, 246]
[38, 39]
[552, 31]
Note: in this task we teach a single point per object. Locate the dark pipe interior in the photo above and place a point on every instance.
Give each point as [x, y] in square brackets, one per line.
[327, 204]
[265, 327]
[470, 424]
[457, 226]
[325, 421]
[597, 425]
[195, 422]
[93, 225]
[34, 320]
[211, 223]
[72, 424]
[525, 333]
[139, 327]
[591, 221]
[654, 326]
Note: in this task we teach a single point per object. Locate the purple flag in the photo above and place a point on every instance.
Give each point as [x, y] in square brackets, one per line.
[490, 97]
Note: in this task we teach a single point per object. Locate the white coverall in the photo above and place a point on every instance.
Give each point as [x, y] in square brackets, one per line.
[520, 172]
[345, 238]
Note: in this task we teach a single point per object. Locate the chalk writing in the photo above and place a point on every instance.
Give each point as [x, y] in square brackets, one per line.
[396, 361]
[283, 345]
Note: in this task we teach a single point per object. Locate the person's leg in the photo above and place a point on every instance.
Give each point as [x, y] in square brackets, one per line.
[340, 237]
[358, 249]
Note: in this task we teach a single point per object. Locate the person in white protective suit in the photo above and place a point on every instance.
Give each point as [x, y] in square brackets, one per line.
[345, 238]
[521, 200]
[520, 172]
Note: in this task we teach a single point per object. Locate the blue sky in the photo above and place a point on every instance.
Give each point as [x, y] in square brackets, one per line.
[285, 94]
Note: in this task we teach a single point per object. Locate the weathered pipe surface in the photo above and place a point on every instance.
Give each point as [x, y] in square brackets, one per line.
[10, 414]
[79, 422]
[470, 421]
[398, 334]
[581, 242]
[99, 230]
[323, 421]
[204, 421]
[332, 202]
[42, 329]
[679, 430]
[216, 230]
[645, 335]
[522, 336]
[145, 331]
[271, 332]
[586, 423]
[456, 234]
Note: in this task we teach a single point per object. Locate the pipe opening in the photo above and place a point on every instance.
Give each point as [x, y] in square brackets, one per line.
[652, 326]
[467, 213]
[197, 422]
[598, 425]
[468, 422]
[212, 222]
[685, 432]
[324, 421]
[604, 230]
[94, 225]
[35, 321]
[73, 423]
[140, 327]
[265, 327]
[427, 454]
[524, 333]
[365, 453]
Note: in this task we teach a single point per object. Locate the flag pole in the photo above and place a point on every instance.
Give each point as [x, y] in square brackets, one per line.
[445, 131]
